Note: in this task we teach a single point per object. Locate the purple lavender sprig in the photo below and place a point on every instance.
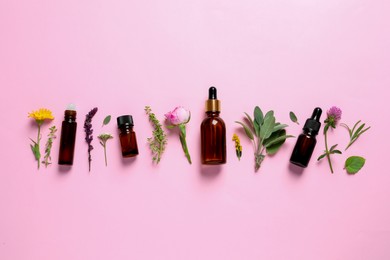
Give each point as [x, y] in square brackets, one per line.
[88, 133]
[333, 117]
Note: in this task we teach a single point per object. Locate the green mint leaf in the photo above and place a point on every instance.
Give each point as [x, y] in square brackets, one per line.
[248, 131]
[354, 163]
[106, 120]
[293, 117]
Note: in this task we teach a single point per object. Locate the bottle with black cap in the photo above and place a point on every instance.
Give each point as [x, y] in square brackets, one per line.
[213, 132]
[127, 136]
[307, 140]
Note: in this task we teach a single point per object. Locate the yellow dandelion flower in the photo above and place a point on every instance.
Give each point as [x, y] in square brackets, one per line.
[238, 146]
[41, 115]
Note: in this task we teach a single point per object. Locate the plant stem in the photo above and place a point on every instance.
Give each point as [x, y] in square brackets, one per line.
[184, 142]
[105, 154]
[38, 139]
[327, 152]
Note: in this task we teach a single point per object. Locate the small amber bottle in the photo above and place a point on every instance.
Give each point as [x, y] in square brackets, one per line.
[307, 141]
[127, 136]
[68, 136]
[213, 132]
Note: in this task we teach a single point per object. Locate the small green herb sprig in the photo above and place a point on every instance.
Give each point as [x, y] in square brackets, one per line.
[49, 144]
[103, 141]
[158, 142]
[354, 135]
[104, 137]
[265, 133]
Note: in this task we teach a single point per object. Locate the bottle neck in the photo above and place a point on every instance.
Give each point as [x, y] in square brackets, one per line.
[70, 116]
[310, 132]
[212, 113]
[126, 128]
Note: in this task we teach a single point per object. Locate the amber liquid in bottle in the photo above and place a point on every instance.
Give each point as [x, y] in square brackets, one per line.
[68, 138]
[306, 142]
[127, 136]
[213, 132]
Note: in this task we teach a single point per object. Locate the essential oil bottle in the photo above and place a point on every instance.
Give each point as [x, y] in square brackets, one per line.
[127, 136]
[213, 132]
[68, 136]
[307, 140]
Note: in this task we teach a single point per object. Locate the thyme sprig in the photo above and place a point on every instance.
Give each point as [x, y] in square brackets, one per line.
[49, 144]
[158, 142]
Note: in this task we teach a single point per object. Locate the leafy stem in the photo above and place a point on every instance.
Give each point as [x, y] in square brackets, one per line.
[328, 151]
[49, 144]
[354, 135]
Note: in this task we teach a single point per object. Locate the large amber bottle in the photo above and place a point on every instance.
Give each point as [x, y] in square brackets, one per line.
[213, 132]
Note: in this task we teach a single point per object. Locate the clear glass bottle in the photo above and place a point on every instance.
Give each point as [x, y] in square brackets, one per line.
[127, 136]
[68, 136]
[306, 142]
[213, 132]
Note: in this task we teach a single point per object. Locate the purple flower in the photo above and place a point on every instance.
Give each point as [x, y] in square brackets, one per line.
[88, 133]
[333, 116]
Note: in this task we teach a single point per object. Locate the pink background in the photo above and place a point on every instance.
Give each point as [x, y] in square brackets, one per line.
[123, 55]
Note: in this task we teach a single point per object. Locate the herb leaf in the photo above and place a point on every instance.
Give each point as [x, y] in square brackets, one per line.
[106, 120]
[354, 163]
[268, 126]
[293, 117]
[354, 135]
[258, 114]
[248, 131]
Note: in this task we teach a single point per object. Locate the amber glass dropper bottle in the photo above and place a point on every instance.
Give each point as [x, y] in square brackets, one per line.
[68, 136]
[307, 140]
[213, 132]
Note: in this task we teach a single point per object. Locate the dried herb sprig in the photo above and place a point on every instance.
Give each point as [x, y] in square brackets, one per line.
[88, 133]
[49, 144]
[158, 142]
[354, 135]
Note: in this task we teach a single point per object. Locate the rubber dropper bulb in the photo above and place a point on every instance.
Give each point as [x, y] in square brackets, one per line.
[212, 93]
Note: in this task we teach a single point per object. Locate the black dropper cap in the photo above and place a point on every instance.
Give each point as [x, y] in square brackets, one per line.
[313, 123]
[212, 93]
[125, 120]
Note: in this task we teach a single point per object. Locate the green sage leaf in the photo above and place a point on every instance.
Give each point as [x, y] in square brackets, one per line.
[267, 127]
[278, 127]
[256, 126]
[248, 131]
[258, 115]
[106, 120]
[293, 117]
[275, 141]
[354, 163]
